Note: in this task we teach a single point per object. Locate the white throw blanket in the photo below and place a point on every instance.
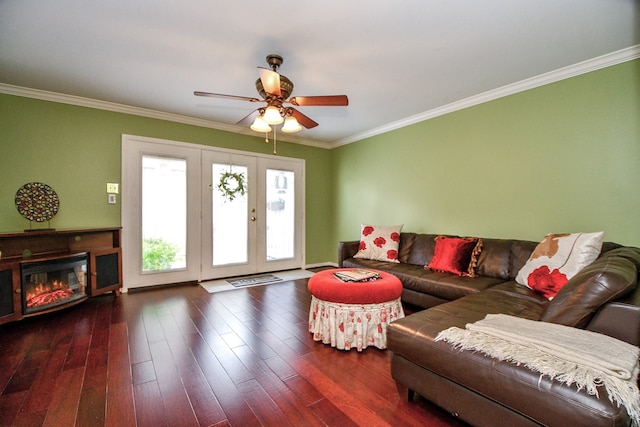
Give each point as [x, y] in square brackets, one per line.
[569, 355]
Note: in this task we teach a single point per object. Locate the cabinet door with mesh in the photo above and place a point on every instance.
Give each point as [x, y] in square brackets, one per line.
[106, 271]
[10, 300]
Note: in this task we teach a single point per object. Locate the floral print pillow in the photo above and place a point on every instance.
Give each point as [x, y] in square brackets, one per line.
[557, 258]
[379, 243]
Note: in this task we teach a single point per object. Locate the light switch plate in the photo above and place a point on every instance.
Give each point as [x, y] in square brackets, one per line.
[111, 199]
[112, 188]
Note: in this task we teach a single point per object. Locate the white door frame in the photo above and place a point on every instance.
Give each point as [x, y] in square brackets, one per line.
[133, 147]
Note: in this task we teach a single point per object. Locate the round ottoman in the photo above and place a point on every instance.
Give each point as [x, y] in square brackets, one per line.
[353, 314]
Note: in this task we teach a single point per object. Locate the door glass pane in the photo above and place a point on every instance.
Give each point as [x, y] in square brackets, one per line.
[229, 218]
[280, 214]
[164, 210]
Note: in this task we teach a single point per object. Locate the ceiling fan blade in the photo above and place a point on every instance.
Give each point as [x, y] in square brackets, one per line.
[302, 119]
[220, 95]
[328, 100]
[270, 81]
[249, 118]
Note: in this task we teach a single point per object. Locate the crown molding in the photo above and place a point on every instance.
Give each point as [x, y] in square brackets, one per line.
[143, 112]
[574, 70]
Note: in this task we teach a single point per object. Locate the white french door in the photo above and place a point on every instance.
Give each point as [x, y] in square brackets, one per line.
[160, 213]
[177, 225]
[260, 231]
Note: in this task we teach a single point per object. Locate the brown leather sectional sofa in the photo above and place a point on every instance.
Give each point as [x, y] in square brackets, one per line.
[603, 297]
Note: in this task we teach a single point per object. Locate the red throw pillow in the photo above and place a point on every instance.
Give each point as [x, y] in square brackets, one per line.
[457, 255]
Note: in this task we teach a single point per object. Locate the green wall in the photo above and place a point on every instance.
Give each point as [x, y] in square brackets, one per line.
[76, 150]
[564, 157]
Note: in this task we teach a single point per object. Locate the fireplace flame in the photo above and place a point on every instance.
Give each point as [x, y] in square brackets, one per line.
[43, 294]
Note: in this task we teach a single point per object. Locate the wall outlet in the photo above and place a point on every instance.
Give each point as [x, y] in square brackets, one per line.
[112, 188]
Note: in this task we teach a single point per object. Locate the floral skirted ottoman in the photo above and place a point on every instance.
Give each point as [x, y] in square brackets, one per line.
[353, 314]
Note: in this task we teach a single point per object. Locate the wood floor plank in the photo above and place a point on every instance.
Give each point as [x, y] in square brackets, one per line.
[138, 343]
[183, 310]
[280, 367]
[212, 316]
[152, 326]
[26, 372]
[304, 390]
[96, 364]
[42, 390]
[334, 416]
[261, 403]
[176, 403]
[143, 372]
[205, 405]
[64, 405]
[80, 341]
[92, 406]
[339, 396]
[10, 364]
[231, 401]
[296, 412]
[120, 410]
[118, 310]
[93, 397]
[342, 377]
[150, 411]
[10, 405]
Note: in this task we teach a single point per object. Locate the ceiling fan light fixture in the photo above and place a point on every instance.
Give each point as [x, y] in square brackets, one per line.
[275, 89]
[260, 125]
[272, 115]
[291, 125]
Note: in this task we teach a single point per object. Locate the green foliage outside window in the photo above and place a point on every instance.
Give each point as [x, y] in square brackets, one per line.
[157, 254]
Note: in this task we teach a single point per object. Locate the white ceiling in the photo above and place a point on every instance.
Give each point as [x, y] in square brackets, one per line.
[395, 60]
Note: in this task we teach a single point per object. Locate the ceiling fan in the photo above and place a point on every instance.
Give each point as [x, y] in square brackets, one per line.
[275, 90]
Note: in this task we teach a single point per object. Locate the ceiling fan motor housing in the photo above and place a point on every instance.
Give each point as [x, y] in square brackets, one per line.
[286, 87]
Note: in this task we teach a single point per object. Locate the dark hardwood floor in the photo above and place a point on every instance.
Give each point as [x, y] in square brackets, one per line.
[180, 356]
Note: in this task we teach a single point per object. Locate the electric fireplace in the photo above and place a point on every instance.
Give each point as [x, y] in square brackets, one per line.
[53, 283]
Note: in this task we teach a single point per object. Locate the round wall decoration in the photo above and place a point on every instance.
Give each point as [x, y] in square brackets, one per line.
[37, 202]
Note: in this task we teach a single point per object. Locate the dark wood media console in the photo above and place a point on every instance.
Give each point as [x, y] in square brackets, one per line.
[104, 263]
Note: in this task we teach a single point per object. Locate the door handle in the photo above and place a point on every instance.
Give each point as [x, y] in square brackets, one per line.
[253, 218]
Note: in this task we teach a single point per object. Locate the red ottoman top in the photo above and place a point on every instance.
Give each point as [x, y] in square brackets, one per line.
[325, 286]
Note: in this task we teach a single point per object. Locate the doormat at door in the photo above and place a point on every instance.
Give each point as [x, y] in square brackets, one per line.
[256, 280]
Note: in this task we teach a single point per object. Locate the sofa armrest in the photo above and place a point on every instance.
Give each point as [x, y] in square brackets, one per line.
[619, 318]
[610, 278]
[347, 249]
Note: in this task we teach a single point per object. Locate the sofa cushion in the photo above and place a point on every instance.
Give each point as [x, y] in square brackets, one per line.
[456, 255]
[445, 286]
[520, 252]
[557, 258]
[606, 279]
[422, 249]
[379, 242]
[494, 260]
[406, 247]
